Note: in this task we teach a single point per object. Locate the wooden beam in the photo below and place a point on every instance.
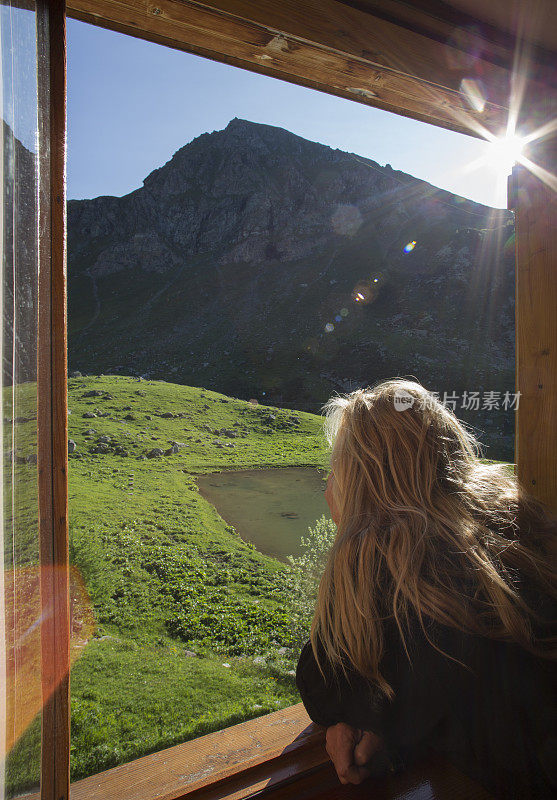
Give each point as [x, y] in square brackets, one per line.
[495, 35]
[52, 402]
[535, 206]
[322, 44]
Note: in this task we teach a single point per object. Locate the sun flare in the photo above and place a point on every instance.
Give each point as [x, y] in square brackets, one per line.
[505, 152]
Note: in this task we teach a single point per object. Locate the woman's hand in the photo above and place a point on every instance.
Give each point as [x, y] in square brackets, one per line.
[350, 749]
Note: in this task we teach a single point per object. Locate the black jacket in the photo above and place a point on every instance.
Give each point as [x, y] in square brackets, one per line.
[494, 717]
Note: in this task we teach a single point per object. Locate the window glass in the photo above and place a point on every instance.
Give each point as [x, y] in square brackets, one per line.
[20, 709]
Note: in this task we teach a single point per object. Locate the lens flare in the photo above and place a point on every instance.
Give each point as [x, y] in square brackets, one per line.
[474, 92]
[346, 220]
[329, 327]
[338, 318]
[504, 153]
[409, 247]
[344, 312]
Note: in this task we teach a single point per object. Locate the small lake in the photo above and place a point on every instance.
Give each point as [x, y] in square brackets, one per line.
[272, 508]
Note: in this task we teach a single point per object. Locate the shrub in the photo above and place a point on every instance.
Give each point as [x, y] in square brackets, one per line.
[306, 570]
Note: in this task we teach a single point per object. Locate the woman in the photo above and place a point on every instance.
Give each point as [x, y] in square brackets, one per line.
[435, 621]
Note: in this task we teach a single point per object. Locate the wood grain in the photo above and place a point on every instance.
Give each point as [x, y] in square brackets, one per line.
[233, 762]
[322, 44]
[52, 402]
[535, 206]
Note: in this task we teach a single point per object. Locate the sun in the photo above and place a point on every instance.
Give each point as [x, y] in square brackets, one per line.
[504, 153]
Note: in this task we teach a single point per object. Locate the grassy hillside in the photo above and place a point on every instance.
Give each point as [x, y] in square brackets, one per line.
[191, 629]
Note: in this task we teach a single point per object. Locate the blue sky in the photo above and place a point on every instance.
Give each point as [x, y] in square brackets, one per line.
[132, 104]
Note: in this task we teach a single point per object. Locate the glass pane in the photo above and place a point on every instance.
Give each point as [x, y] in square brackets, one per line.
[20, 593]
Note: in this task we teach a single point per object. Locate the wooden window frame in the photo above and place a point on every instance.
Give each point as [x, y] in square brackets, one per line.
[393, 63]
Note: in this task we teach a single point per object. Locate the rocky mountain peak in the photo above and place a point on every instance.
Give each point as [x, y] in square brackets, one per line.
[241, 263]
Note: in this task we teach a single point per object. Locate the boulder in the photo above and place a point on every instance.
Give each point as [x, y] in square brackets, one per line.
[72, 446]
[155, 453]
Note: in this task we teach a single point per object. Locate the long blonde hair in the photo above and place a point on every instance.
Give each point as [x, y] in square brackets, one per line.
[424, 528]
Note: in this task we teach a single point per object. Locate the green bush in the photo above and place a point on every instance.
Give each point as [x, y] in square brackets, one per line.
[305, 574]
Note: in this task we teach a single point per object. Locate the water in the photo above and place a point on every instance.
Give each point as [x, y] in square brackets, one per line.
[270, 507]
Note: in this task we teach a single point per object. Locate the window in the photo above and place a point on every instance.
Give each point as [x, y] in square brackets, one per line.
[536, 452]
[212, 311]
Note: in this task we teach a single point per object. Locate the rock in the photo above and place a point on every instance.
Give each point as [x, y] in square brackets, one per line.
[126, 408]
[282, 651]
[72, 446]
[104, 439]
[129, 417]
[167, 415]
[155, 453]
[89, 415]
[260, 661]
[90, 432]
[75, 374]
[32, 459]
[93, 393]
[148, 416]
[190, 654]
[121, 451]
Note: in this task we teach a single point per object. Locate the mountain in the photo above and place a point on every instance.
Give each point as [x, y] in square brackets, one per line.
[259, 264]
[20, 243]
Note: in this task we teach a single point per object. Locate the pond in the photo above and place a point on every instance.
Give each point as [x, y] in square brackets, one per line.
[272, 508]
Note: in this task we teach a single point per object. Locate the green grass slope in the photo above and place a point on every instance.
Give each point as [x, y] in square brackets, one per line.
[191, 629]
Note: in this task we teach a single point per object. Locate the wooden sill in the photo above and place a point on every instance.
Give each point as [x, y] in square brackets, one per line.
[233, 763]
[280, 756]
